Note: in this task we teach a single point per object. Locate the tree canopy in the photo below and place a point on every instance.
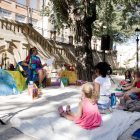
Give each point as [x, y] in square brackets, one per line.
[118, 18]
[87, 18]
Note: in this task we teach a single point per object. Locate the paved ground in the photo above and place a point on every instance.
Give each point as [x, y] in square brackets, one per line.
[23, 107]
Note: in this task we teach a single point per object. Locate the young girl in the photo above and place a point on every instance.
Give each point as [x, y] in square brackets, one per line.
[130, 85]
[88, 116]
[128, 78]
[102, 84]
[133, 78]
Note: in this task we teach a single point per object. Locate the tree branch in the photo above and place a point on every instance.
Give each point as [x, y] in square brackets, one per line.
[93, 16]
[64, 8]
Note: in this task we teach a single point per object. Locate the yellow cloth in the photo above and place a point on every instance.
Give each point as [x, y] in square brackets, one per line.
[19, 80]
[70, 75]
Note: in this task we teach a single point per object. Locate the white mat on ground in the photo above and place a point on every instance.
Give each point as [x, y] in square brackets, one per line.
[53, 127]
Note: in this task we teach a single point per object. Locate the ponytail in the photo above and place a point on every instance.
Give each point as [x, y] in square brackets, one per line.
[95, 96]
[103, 68]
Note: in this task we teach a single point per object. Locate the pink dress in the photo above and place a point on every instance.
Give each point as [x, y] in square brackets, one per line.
[91, 117]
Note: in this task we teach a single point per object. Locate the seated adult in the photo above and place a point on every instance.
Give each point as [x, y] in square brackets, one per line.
[33, 62]
[102, 82]
[134, 92]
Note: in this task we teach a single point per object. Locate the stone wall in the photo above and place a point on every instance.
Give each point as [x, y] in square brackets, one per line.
[110, 57]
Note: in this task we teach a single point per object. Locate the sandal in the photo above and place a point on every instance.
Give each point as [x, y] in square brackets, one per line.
[68, 108]
[41, 86]
[60, 110]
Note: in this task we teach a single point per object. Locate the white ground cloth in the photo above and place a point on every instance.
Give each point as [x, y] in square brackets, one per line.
[53, 127]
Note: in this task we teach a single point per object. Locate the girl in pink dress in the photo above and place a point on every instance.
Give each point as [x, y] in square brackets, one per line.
[88, 116]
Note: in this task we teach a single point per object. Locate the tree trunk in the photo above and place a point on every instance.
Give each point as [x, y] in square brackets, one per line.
[85, 68]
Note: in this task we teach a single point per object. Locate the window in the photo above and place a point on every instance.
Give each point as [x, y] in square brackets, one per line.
[34, 4]
[33, 21]
[20, 18]
[5, 13]
[21, 2]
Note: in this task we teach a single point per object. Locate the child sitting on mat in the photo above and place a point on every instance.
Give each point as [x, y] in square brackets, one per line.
[134, 93]
[130, 85]
[88, 116]
[133, 78]
[128, 78]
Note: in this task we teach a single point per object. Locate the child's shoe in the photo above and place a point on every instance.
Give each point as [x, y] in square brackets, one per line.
[119, 88]
[67, 108]
[60, 110]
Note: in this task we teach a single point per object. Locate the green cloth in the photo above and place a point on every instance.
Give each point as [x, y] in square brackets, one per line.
[119, 90]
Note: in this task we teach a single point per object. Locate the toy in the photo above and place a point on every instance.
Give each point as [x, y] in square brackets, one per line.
[15, 91]
[35, 86]
[70, 75]
[30, 86]
[83, 83]
[48, 82]
[72, 68]
[78, 83]
[64, 80]
[55, 84]
[34, 93]
[8, 85]
[67, 67]
[62, 85]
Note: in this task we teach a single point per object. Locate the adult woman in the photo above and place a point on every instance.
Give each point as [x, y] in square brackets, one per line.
[33, 62]
[102, 83]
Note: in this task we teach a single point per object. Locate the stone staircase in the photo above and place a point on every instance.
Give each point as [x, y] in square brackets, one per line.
[17, 38]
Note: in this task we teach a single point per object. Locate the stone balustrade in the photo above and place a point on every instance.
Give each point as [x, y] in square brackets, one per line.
[27, 29]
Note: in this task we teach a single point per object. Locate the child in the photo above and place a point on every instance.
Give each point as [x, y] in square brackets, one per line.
[133, 78]
[130, 85]
[128, 78]
[134, 92]
[88, 116]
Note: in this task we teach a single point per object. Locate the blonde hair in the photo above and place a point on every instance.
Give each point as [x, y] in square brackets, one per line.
[89, 91]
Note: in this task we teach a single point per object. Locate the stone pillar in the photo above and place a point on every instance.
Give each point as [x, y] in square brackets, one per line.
[27, 3]
[27, 17]
[13, 15]
[38, 5]
[13, 6]
[7, 44]
[71, 40]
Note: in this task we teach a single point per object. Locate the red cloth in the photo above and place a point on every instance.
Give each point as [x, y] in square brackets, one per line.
[138, 86]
